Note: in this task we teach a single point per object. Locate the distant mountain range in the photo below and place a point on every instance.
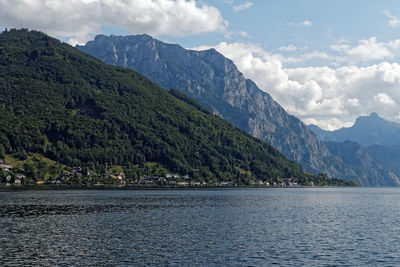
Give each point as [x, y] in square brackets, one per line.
[379, 139]
[367, 131]
[370, 171]
[216, 83]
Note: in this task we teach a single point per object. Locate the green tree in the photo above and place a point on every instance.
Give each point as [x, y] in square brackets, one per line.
[2, 152]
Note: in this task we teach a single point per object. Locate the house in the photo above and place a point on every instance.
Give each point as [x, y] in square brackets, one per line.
[1, 161]
[183, 183]
[112, 176]
[5, 168]
[121, 176]
[76, 169]
[226, 183]
[18, 178]
[162, 180]
[89, 172]
[149, 180]
[65, 177]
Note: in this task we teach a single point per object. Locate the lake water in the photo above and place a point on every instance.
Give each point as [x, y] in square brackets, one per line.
[238, 227]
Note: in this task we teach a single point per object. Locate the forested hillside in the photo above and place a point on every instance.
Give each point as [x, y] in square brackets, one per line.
[70, 107]
[216, 83]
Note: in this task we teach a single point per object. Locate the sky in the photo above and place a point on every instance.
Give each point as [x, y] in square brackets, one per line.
[325, 61]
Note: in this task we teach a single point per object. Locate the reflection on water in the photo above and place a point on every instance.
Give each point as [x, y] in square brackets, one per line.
[254, 227]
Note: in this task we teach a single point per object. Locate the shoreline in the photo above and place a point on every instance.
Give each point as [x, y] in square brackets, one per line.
[128, 187]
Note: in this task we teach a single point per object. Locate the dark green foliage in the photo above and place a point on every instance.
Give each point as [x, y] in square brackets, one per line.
[188, 100]
[74, 109]
[2, 152]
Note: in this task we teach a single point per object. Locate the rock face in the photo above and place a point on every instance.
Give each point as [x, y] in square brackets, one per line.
[216, 83]
[369, 170]
[388, 156]
[367, 131]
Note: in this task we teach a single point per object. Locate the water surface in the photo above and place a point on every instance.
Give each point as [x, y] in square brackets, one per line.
[238, 227]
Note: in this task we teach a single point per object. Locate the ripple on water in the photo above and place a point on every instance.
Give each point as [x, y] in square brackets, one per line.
[312, 227]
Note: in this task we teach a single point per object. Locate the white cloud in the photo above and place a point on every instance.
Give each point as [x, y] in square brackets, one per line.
[80, 19]
[384, 99]
[316, 54]
[321, 93]
[244, 6]
[394, 44]
[288, 48]
[306, 23]
[232, 34]
[226, 1]
[243, 34]
[328, 125]
[394, 21]
[366, 50]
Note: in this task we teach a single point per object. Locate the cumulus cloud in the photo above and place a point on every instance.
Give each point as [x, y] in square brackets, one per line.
[244, 6]
[81, 19]
[366, 50]
[329, 97]
[394, 21]
[384, 99]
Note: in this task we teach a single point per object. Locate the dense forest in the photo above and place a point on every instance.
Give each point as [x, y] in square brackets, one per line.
[69, 107]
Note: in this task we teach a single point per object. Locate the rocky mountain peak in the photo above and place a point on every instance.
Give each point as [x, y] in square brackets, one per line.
[370, 120]
[215, 82]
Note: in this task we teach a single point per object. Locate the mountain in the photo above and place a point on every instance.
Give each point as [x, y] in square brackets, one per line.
[320, 133]
[367, 131]
[368, 168]
[377, 140]
[388, 156]
[215, 82]
[62, 103]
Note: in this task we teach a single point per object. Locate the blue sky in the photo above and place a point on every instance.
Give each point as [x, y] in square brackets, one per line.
[273, 24]
[327, 62]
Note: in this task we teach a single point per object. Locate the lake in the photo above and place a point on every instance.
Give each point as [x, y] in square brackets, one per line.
[227, 227]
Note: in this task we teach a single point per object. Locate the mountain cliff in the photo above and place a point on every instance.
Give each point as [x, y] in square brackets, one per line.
[367, 167]
[388, 156]
[216, 83]
[75, 109]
